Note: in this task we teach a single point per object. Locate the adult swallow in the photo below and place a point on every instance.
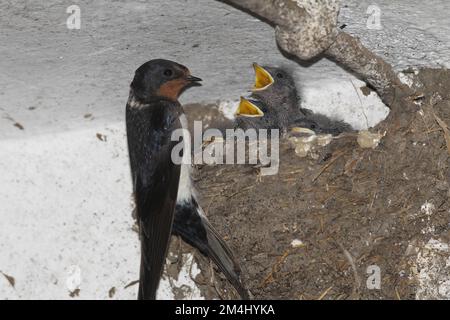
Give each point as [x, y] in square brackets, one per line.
[152, 114]
[275, 103]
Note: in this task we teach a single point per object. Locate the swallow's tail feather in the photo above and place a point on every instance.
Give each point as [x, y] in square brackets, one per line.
[193, 227]
[148, 284]
[150, 273]
[154, 233]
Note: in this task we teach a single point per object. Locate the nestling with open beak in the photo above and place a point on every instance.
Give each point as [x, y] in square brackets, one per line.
[275, 103]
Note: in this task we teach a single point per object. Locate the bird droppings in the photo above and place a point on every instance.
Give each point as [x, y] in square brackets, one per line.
[406, 78]
[179, 277]
[427, 208]
[324, 139]
[431, 269]
[297, 243]
[367, 139]
[308, 144]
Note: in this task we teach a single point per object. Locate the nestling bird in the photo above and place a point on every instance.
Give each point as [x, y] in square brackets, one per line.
[275, 103]
[152, 114]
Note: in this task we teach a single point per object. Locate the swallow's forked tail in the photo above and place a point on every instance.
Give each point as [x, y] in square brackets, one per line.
[194, 228]
[151, 269]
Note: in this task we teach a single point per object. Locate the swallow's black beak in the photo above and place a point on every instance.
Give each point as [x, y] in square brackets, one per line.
[193, 79]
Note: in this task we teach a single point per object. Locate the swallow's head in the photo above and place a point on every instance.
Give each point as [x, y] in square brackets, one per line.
[273, 85]
[161, 78]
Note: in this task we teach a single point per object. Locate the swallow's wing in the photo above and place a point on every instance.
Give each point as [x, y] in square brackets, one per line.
[155, 179]
[191, 224]
[155, 199]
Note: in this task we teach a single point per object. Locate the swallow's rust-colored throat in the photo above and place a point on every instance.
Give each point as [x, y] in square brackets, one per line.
[172, 89]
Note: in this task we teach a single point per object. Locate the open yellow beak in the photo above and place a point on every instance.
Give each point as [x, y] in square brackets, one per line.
[263, 79]
[248, 109]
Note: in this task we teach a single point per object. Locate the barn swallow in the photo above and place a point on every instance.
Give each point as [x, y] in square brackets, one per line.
[275, 97]
[152, 114]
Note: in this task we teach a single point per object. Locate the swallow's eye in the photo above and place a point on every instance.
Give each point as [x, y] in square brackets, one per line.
[313, 126]
[280, 75]
[168, 73]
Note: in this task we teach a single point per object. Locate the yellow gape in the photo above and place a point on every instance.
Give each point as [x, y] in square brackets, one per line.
[248, 109]
[263, 79]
